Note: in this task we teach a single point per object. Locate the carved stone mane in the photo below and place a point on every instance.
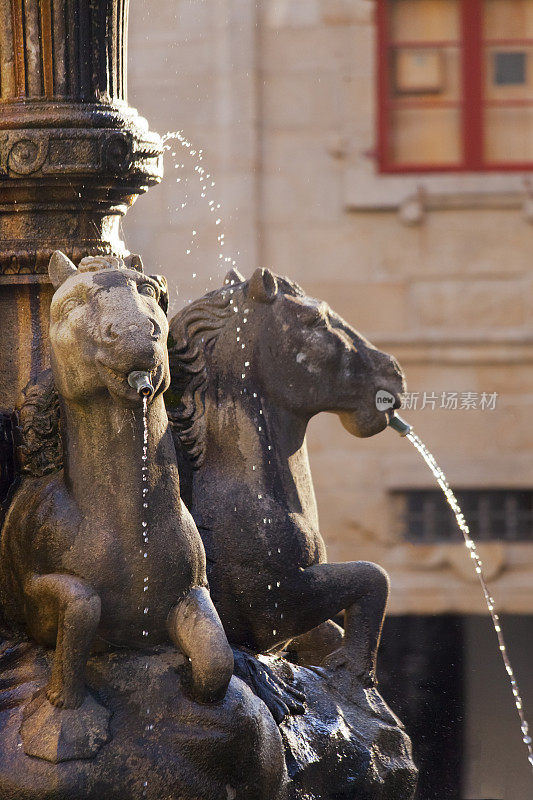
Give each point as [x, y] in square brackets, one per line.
[40, 440]
[194, 331]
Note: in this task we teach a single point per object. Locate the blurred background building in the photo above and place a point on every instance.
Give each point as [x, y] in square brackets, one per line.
[380, 152]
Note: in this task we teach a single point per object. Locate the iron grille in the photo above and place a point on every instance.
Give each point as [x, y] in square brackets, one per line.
[424, 516]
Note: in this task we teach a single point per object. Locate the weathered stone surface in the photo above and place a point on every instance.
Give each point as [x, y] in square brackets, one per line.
[339, 749]
[162, 744]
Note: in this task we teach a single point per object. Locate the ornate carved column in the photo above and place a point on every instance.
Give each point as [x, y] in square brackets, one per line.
[73, 157]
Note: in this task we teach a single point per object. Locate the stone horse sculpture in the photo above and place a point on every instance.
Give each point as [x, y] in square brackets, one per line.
[82, 562]
[251, 364]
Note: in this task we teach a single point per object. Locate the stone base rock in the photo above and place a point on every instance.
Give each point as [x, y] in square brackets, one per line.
[162, 745]
[343, 749]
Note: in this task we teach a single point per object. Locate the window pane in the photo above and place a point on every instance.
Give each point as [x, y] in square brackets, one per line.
[508, 19]
[431, 71]
[424, 20]
[425, 83]
[426, 135]
[508, 134]
[509, 68]
[508, 73]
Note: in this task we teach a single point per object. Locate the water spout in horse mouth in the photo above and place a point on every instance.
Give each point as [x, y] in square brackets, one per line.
[141, 381]
[398, 424]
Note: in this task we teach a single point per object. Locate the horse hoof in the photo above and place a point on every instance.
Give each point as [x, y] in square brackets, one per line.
[359, 689]
[281, 697]
[64, 734]
[339, 660]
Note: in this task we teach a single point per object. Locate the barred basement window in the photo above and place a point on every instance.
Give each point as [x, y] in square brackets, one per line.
[423, 515]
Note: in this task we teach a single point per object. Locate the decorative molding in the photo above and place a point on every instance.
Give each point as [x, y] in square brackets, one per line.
[73, 155]
[32, 262]
[413, 195]
[68, 151]
[441, 579]
[504, 349]
[437, 557]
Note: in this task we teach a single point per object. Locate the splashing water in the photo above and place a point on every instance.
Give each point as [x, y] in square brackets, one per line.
[478, 565]
[207, 184]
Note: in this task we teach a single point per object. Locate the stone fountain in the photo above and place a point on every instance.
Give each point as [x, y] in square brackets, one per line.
[166, 625]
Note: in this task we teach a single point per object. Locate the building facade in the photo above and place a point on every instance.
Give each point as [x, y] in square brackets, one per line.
[380, 152]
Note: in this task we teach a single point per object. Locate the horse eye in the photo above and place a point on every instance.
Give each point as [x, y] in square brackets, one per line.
[148, 290]
[68, 305]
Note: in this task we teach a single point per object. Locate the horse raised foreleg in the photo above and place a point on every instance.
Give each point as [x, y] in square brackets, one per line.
[65, 723]
[321, 591]
[195, 628]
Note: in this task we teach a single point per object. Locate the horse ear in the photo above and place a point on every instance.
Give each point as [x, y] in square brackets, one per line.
[233, 276]
[263, 286]
[163, 289]
[133, 261]
[60, 268]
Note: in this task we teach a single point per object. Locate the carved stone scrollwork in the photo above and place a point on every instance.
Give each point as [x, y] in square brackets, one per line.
[72, 151]
[118, 152]
[27, 155]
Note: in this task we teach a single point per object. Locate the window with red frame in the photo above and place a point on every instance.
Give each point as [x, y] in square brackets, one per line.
[455, 85]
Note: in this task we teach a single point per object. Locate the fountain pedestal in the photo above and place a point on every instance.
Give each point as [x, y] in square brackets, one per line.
[73, 157]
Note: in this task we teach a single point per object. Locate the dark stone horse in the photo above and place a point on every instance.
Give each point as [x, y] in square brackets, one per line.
[251, 363]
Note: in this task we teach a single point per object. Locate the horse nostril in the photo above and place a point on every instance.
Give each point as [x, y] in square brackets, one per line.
[109, 334]
[156, 330]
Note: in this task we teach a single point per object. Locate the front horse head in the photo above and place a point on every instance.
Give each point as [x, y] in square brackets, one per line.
[105, 323]
[294, 350]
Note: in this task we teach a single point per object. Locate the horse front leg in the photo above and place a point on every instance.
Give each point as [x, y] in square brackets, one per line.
[361, 589]
[195, 628]
[363, 621]
[66, 723]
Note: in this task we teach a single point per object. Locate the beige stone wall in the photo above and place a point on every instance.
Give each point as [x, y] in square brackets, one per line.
[281, 97]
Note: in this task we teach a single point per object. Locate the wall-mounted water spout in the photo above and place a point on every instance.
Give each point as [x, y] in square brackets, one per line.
[141, 381]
